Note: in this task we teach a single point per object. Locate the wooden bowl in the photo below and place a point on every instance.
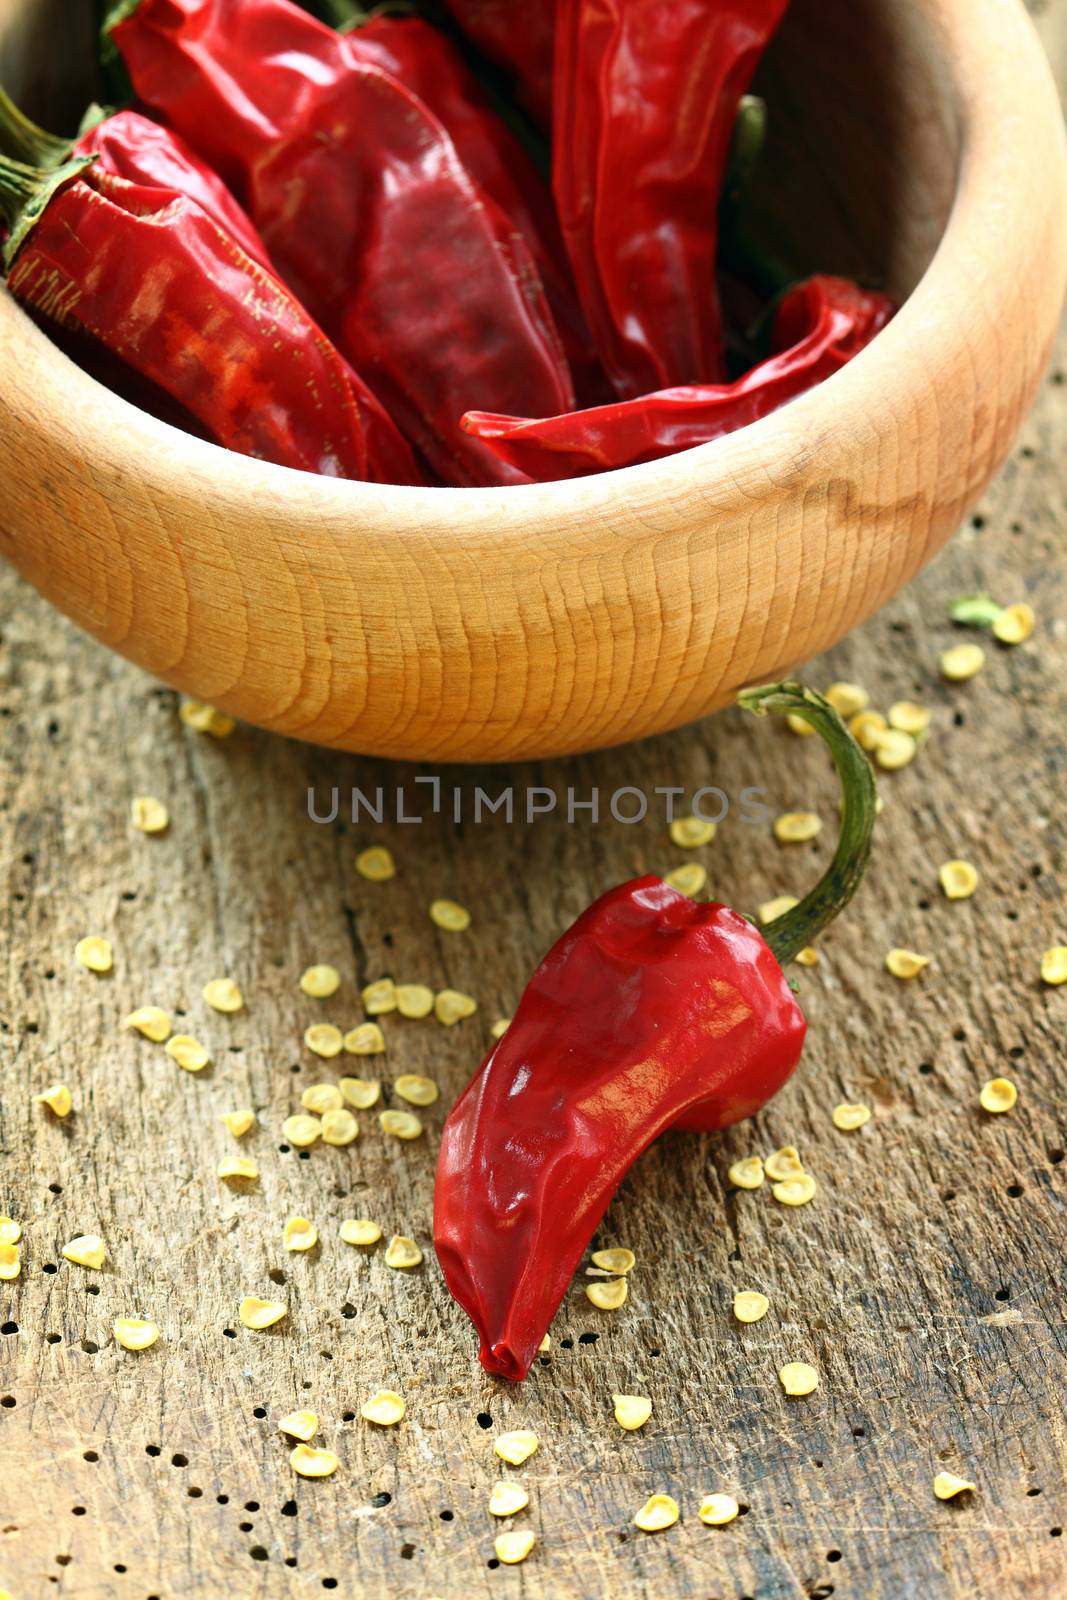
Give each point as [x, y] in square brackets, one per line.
[916, 141]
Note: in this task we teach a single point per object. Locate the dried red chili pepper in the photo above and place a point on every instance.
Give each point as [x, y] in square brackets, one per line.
[819, 326]
[645, 97]
[365, 208]
[651, 1012]
[520, 39]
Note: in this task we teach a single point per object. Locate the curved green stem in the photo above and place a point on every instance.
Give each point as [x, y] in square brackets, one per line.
[795, 929]
[25, 141]
[24, 194]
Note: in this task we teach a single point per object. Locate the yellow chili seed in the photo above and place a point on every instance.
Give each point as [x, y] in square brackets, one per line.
[848, 699]
[299, 1425]
[360, 1092]
[134, 1333]
[607, 1296]
[849, 1117]
[500, 1027]
[238, 1122]
[307, 1462]
[632, 1411]
[400, 1124]
[451, 916]
[796, 827]
[301, 1130]
[776, 907]
[239, 1168]
[516, 1447]
[57, 1098]
[87, 1250]
[320, 982]
[94, 954]
[905, 963]
[414, 1000]
[799, 725]
[961, 662]
[376, 864]
[320, 1097]
[206, 719]
[718, 1509]
[750, 1305]
[808, 957]
[746, 1173]
[1014, 624]
[10, 1230]
[867, 728]
[339, 1127]
[151, 1021]
[507, 1498]
[659, 1511]
[324, 1039]
[784, 1163]
[149, 815]
[895, 750]
[514, 1546]
[451, 1005]
[906, 717]
[959, 880]
[998, 1095]
[188, 1052]
[689, 833]
[379, 998]
[366, 1040]
[619, 1260]
[385, 1407]
[797, 1378]
[947, 1485]
[10, 1262]
[794, 1191]
[402, 1253]
[256, 1313]
[222, 994]
[688, 879]
[360, 1230]
[546, 1344]
[1054, 965]
[416, 1090]
[300, 1234]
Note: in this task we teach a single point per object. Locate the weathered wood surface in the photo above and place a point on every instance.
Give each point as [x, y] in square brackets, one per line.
[922, 1282]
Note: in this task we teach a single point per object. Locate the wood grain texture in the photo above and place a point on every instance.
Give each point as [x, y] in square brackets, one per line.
[488, 624]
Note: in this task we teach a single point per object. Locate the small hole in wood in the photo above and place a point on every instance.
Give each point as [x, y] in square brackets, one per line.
[90, 1347]
[948, 1196]
[283, 1149]
[329, 1583]
[833, 1555]
[92, 1288]
[251, 1505]
[55, 1188]
[1002, 1294]
[859, 1433]
[588, 1338]
[90, 1455]
[179, 1460]
[1055, 1157]
[1055, 1533]
[259, 1411]
[53, 1338]
[118, 1567]
[246, 1527]
[258, 1553]
[484, 1420]
[290, 1509]
[290, 1561]
[924, 905]
[77, 1511]
[1014, 1190]
[818, 1463]
[152, 1450]
[229, 1333]
[194, 1493]
[566, 1344]
[1032, 1492]
[926, 1068]
[382, 1499]
[276, 1275]
[406, 1552]
[9, 1327]
[305, 1155]
[492, 1563]
[348, 1416]
[64, 1561]
[446, 1516]
[222, 1499]
[959, 1034]
[50, 1267]
[654, 1351]
[1016, 1052]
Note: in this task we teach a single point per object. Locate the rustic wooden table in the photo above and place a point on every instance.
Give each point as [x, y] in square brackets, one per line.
[922, 1282]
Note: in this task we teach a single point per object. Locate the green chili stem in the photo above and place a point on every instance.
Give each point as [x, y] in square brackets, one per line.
[795, 929]
[25, 141]
[24, 194]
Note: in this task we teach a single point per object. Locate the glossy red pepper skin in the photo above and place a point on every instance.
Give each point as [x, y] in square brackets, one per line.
[652, 1012]
[819, 326]
[366, 210]
[646, 94]
[518, 38]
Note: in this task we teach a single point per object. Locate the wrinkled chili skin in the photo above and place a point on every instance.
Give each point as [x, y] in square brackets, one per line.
[366, 210]
[819, 326]
[518, 38]
[651, 1012]
[645, 98]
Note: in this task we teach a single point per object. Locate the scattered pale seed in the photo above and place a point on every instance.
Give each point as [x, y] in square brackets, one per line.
[188, 1052]
[750, 1305]
[688, 879]
[376, 864]
[206, 719]
[324, 1039]
[1014, 624]
[794, 1191]
[796, 827]
[689, 833]
[776, 907]
[151, 1021]
[360, 1230]
[300, 1234]
[808, 957]
[849, 1117]
[784, 1163]
[797, 1378]
[135, 1333]
[974, 610]
[239, 1167]
[400, 1124]
[718, 1509]
[222, 994]
[500, 1027]
[1054, 965]
[907, 717]
[848, 699]
[998, 1095]
[607, 1296]
[238, 1121]
[256, 1313]
[416, 1090]
[514, 1546]
[149, 815]
[339, 1127]
[799, 725]
[87, 1250]
[299, 1425]
[10, 1262]
[307, 1462]
[507, 1498]
[746, 1173]
[366, 1040]
[867, 728]
[320, 982]
[320, 1097]
[947, 1485]
[905, 963]
[546, 1344]
[402, 1253]
[959, 879]
[516, 1447]
[385, 1407]
[379, 998]
[632, 1411]
[659, 1511]
[962, 661]
[360, 1092]
[618, 1261]
[451, 916]
[451, 1005]
[94, 954]
[10, 1230]
[301, 1130]
[895, 750]
[414, 1000]
[57, 1098]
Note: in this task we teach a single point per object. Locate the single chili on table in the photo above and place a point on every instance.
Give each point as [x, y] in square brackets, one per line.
[651, 1012]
